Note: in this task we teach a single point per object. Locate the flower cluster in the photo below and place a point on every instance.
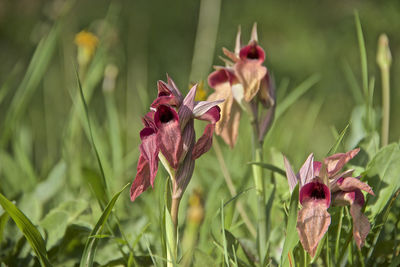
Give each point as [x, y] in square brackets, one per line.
[168, 135]
[322, 185]
[243, 83]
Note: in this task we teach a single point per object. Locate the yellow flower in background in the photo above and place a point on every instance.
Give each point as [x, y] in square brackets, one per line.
[87, 43]
[201, 93]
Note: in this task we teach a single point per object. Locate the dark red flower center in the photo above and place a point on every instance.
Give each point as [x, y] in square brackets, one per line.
[318, 191]
[253, 53]
[166, 114]
[163, 94]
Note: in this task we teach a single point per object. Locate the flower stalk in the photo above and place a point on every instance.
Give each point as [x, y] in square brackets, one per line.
[384, 60]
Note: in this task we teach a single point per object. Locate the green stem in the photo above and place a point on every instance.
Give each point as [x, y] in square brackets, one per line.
[259, 184]
[172, 251]
[385, 105]
[338, 235]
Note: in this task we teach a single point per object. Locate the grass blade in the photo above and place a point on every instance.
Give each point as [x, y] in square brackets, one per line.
[91, 243]
[292, 237]
[296, 94]
[270, 167]
[28, 229]
[103, 180]
[36, 70]
[338, 141]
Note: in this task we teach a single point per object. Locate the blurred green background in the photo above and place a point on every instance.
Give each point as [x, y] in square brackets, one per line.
[43, 127]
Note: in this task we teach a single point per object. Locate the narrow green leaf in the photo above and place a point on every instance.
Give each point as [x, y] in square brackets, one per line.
[270, 167]
[296, 94]
[91, 243]
[36, 69]
[292, 238]
[363, 54]
[28, 229]
[103, 180]
[338, 141]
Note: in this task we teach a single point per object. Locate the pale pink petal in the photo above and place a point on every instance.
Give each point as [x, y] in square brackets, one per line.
[213, 114]
[306, 173]
[292, 179]
[249, 74]
[185, 112]
[313, 221]
[336, 162]
[254, 36]
[238, 43]
[230, 128]
[351, 184]
[361, 225]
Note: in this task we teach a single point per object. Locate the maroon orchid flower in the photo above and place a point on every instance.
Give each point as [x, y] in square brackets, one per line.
[168, 135]
[243, 82]
[321, 183]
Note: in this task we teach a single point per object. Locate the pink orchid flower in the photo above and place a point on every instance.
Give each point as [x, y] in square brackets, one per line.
[317, 194]
[169, 133]
[244, 80]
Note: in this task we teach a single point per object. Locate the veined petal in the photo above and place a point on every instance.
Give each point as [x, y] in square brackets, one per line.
[351, 184]
[249, 74]
[203, 107]
[213, 114]
[149, 150]
[188, 139]
[221, 75]
[336, 162]
[173, 87]
[186, 109]
[168, 94]
[361, 225]
[228, 126]
[292, 179]
[142, 179]
[306, 173]
[204, 143]
[183, 175]
[313, 221]
[148, 120]
[169, 139]
[317, 165]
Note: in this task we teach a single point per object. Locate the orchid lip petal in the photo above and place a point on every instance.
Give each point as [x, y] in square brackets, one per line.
[312, 223]
[169, 139]
[315, 192]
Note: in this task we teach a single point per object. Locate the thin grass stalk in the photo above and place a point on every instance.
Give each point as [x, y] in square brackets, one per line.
[259, 184]
[339, 231]
[384, 60]
[328, 256]
[232, 189]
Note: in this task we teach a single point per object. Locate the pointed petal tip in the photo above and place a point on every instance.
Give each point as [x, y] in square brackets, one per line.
[254, 35]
